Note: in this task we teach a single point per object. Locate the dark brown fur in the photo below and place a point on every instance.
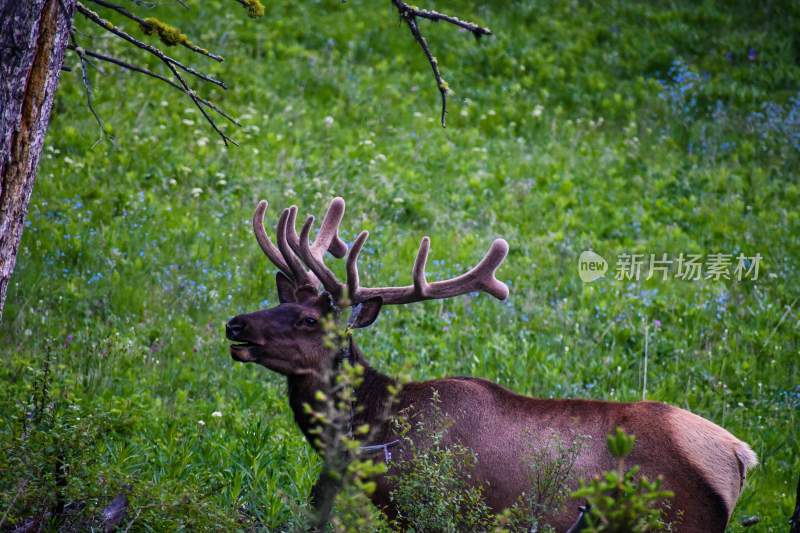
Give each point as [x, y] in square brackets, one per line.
[702, 463]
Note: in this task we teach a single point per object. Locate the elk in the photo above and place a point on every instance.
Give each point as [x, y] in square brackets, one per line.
[703, 464]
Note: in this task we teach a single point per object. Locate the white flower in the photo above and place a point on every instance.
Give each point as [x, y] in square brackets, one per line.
[537, 111]
[173, 182]
[197, 191]
[328, 121]
[188, 122]
[216, 414]
[200, 422]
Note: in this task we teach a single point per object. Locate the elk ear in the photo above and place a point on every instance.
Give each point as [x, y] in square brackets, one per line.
[305, 293]
[285, 288]
[325, 303]
[365, 313]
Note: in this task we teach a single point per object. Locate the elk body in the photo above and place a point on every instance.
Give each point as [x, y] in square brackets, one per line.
[703, 464]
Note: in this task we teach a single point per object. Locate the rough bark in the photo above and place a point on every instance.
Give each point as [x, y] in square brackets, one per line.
[33, 37]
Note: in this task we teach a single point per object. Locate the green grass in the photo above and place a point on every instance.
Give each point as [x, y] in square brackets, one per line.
[139, 247]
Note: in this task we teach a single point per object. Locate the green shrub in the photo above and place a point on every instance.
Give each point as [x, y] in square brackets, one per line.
[433, 483]
[551, 470]
[621, 501]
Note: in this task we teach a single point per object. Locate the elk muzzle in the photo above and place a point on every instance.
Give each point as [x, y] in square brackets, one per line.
[242, 347]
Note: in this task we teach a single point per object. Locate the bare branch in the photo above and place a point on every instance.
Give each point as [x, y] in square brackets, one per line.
[255, 8]
[87, 86]
[199, 106]
[150, 26]
[172, 64]
[410, 14]
[100, 21]
[146, 72]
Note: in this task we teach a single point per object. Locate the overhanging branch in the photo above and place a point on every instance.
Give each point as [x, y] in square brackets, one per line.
[410, 14]
[172, 64]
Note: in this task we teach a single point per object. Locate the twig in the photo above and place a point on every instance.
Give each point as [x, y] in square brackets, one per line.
[23, 483]
[410, 14]
[254, 7]
[87, 85]
[783, 317]
[138, 512]
[197, 103]
[100, 21]
[646, 353]
[171, 64]
[149, 27]
[146, 72]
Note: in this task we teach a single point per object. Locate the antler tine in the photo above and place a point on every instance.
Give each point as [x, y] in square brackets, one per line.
[418, 272]
[291, 228]
[299, 274]
[479, 278]
[328, 237]
[313, 257]
[265, 243]
[353, 288]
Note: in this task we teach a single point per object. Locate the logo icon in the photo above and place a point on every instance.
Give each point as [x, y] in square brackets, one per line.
[591, 266]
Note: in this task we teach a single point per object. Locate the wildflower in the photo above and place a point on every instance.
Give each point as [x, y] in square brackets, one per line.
[197, 191]
[201, 423]
[328, 121]
[216, 414]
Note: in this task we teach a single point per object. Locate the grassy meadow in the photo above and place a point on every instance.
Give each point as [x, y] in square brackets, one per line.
[619, 127]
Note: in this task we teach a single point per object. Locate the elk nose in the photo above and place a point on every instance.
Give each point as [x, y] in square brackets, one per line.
[234, 328]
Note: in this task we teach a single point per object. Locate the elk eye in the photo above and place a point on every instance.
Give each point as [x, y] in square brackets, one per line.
[308, 321]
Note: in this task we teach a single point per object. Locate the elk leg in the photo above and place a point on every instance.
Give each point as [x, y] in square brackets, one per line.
[323, 493]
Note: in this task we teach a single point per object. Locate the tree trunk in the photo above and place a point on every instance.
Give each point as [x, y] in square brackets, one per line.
[33, 37]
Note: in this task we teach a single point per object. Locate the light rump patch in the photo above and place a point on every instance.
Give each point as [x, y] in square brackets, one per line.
[721, 459]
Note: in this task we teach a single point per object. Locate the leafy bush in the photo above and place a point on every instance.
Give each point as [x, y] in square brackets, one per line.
[621, 501]
[551, 471]
[433, 483]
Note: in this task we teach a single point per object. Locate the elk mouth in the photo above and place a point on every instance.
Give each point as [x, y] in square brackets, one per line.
[243, 351]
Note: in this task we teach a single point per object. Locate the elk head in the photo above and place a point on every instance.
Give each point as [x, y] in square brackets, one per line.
[291, 338]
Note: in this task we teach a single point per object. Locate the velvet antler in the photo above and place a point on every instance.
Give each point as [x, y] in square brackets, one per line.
[296, 252]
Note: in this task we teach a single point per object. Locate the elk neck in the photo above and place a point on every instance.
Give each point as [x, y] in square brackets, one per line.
[371, 396]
